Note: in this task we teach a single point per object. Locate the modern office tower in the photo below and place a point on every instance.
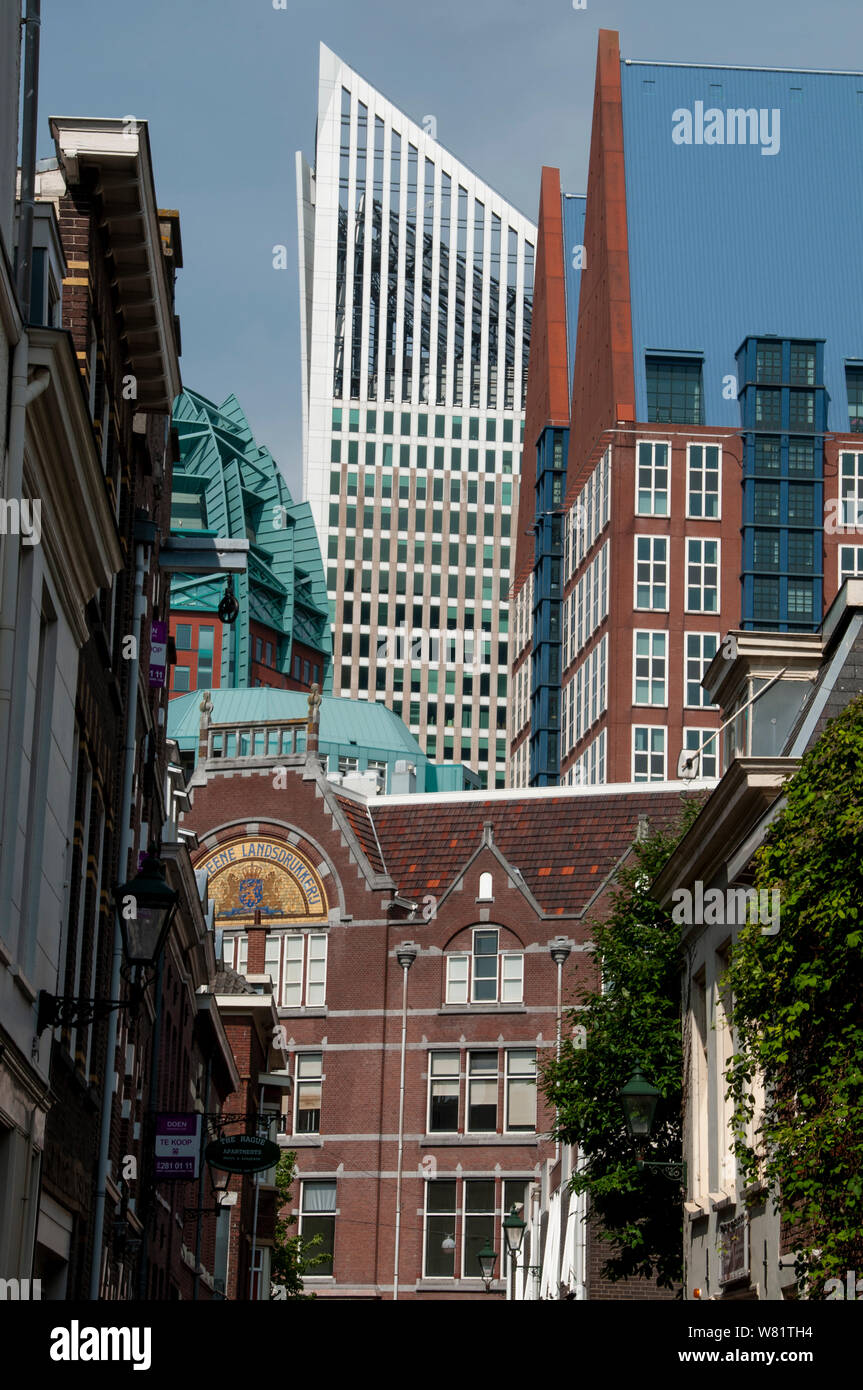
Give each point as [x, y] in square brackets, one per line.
[416, 304]
[713, 474]
[225, 483]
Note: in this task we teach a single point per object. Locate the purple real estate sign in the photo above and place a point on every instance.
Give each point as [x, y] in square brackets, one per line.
[158, 652]
[178, 1146]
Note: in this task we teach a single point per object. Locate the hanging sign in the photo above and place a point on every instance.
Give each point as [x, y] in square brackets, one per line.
[242, 1153]
[177, 1146]
[158, 653]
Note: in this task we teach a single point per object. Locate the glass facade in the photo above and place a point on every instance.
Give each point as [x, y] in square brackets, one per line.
[783, 423]
[674, 390]
[417, 335]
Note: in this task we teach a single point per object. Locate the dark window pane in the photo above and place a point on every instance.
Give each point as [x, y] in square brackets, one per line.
[325, 1227]
[767, 455]
[479, 1194]
[674, 390]
[801, 457]
[439, 1263]
[477, 1231]
[768, 406]
[768, 362]
[854, 383]
[766, 550]
[443, 1117]
[802, 364]
[765, 604]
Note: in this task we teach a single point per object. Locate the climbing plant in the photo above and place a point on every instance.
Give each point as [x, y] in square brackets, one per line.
[797, 1008]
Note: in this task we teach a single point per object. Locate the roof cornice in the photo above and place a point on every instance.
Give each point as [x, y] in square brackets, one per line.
[748, 788]
[119, 151]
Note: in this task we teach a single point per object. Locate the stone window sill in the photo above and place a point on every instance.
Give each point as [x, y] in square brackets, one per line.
[482, 1009]
[431, 1141]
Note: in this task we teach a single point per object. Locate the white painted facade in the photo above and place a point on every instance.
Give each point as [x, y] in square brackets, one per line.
[51, 472]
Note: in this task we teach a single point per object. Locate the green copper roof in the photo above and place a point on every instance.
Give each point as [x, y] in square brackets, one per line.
[227, 484]
[342, 722]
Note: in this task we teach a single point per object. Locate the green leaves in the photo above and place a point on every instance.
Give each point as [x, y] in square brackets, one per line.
[292, 1256]
[798, 1007]
[636, 1020]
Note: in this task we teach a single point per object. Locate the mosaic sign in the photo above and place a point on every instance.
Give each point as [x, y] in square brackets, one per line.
[263, 876]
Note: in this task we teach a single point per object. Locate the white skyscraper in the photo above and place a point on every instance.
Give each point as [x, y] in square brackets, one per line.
[416, 287]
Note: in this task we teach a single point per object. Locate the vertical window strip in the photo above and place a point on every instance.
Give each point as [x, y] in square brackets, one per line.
[342, 244]
[445, 269]
[394, 268]
[358, 240]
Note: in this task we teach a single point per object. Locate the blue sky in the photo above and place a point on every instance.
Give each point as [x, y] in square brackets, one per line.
[229, 88]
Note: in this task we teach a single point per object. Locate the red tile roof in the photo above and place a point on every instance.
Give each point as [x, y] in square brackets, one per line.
[360, 822]
[564, 846]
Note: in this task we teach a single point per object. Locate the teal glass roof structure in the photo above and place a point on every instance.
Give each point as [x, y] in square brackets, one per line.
[357, 729]
[227, 485]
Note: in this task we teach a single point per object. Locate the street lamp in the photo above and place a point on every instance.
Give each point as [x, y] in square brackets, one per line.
[145, 907]
[229, 607]
[406, 954]
[513, 1234]
[559, 949]
[487, 1258]
[639, 1100]
[145, 910]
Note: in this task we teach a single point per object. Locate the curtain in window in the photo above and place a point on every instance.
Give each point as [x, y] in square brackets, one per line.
[319, 1196]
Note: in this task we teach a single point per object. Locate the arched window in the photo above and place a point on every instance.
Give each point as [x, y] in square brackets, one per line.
[486, 886]
[485, 974]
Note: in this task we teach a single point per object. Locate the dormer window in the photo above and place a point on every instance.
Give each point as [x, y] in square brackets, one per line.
[485, 975]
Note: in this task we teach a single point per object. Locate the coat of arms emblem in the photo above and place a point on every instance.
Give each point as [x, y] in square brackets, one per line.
[251, 893]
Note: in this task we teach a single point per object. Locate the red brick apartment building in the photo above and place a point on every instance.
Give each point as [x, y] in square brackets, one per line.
[317, 889]
[691, 435]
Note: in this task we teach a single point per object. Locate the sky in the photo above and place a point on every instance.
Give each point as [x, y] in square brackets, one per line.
[229, 89]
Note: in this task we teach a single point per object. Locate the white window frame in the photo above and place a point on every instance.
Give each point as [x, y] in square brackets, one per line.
[704, 702]
[851, 498]
[512, 1075]
[455, 1224]
[702, 564]
[653, 656]
[237, 943]
[494, 1213]
[479, 1076]
[653, 468]
[460, 980]
[454, 1077]
[306, 960]
[654, 542]
[333, 1212]
[857, 572]
[704, 492]
[308, 1079]
[649, 752]
[694, 739]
